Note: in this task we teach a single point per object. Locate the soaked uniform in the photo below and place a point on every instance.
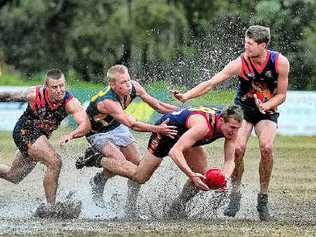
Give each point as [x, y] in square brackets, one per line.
[260, 81]
[160, 146]
[104, 128]
[40, 118]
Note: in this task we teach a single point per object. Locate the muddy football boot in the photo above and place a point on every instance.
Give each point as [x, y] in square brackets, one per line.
[97, 190]
[262, 207]
[91, 158]
[69, 209]
[234, 204]
[177, 210]
[44, 211]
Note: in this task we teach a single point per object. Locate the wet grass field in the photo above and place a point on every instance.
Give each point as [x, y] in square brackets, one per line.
[292, 197]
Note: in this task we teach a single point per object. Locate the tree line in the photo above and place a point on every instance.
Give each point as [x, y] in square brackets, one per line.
[177, 41]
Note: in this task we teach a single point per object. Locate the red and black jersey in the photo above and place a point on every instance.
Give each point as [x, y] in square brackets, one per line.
[261, 81]
[43, 115]
[161, 145]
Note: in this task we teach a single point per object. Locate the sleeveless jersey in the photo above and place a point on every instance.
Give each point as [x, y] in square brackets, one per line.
[100, 122]
[260, 81]
[212, 116]
[42, 114]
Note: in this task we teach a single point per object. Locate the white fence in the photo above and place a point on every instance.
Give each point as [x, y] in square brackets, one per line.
[298, 114]
[10, 112]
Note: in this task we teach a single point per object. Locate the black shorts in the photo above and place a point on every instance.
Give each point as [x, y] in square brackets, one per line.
[25, 136]
[160, 146]
[254, 116]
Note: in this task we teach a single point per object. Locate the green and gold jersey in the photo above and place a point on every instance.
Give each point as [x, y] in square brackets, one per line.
[101, 122]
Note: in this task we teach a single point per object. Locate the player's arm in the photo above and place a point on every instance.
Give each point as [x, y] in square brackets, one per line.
[283, 68]
[27, 95]
[198, 129]
[231, 69]
[115, 110]
[74, 108]
[157, 105]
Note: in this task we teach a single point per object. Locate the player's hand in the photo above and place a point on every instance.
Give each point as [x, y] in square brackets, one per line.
[179, 96]
[167, 130]
[64, 139]
[224, 188]
[259, 104]
[197, 180]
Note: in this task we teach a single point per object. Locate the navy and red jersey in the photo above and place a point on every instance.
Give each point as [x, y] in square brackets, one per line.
[161, 145]
[101, 122]
[261, 81]
[43, 115]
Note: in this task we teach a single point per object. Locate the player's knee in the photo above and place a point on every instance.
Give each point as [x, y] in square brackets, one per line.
[266, 151]
[239, 152]
[55, 162]
[141, 179]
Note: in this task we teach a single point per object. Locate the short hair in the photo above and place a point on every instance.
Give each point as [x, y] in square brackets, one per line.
[54, 74]
[233, 112]
[111, 73]
[260, 34]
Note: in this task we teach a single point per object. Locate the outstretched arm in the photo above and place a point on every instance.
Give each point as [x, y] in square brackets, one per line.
[157, 105]
[116, 111]
[231, 69]
[74, 108]
[26, 95]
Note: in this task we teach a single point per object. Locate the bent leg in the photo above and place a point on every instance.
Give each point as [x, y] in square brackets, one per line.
[146, 168]
[43, 152]
[19, 169]
[131, 153]
[115, 161]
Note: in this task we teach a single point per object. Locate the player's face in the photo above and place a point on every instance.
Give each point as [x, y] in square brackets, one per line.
[56, 89]
[253, 49]
[122, 85]
[230, 128]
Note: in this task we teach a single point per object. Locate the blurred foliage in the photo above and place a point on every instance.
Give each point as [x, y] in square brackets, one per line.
[181, 42]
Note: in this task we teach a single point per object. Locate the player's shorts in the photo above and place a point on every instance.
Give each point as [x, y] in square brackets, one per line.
[25, 137]
[160, 145]
[255, 116]
[119, 136]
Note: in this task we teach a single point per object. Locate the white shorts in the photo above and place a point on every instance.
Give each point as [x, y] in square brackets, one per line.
[120, 137]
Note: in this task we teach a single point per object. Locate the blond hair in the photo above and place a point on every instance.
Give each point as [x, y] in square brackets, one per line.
[114, 70]
[233, 112]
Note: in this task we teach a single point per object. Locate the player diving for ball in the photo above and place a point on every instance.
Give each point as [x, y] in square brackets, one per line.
[195, 127]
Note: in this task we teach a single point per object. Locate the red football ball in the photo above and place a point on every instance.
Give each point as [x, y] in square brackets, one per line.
[215, 179]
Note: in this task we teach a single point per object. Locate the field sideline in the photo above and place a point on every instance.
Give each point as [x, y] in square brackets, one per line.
[293, 197]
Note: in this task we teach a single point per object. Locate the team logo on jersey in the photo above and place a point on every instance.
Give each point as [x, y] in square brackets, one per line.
[250, 75]
[268, 74]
